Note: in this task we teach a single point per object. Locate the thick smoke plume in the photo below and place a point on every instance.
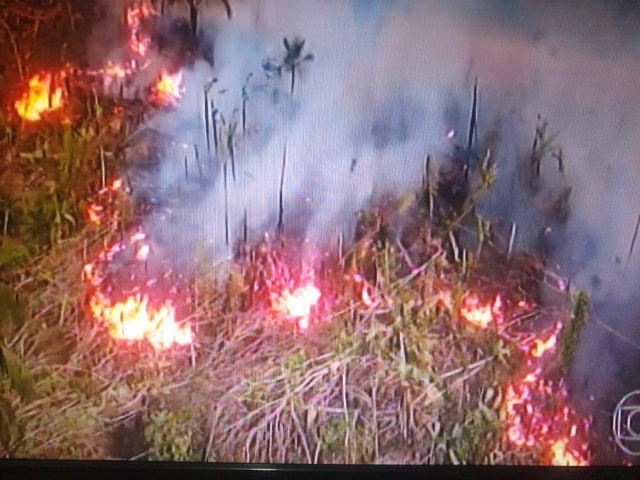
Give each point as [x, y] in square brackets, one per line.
[388, 81]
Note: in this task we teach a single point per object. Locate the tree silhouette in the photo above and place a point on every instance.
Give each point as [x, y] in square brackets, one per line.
[293, 60]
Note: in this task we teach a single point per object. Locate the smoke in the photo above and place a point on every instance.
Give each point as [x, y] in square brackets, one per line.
[388, 80]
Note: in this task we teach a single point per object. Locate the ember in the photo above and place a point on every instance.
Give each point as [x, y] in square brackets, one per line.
[168, 90]
[44, 95]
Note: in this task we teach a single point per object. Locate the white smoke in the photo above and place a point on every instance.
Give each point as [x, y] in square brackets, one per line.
[388, 81]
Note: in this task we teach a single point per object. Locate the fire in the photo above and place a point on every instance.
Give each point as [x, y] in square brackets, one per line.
[479, 314]
[562, 456]
[95, 213]
[135, 15]
[134, 319]
[365, 288]
[44, 95]
[540, 347]
[298, 303]
[168, 90]
[535, 410]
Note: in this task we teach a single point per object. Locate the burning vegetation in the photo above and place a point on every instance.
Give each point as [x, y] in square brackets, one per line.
[391, 351]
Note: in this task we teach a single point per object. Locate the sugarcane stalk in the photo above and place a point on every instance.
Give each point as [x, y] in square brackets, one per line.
[512, 239]
[281, 195]
[473, 128]
[245, 228]
[207, 133]
[633, 241]
[226, 205]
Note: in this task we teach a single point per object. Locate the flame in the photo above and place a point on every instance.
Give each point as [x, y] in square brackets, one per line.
[297, 303]
[479, 314]
[536, 411]
[95, 212]
[540, 347]
[561, 455]
[365, 288]
[143, 252]
[135, 14]
[134, 319]
[168, 90]
[44, 96]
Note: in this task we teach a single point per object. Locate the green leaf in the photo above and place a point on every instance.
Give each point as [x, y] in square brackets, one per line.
[13, 368]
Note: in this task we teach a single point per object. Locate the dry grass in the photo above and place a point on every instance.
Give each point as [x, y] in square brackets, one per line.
[401, 381]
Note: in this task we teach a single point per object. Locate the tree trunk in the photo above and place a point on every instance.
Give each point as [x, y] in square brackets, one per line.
[293, 79]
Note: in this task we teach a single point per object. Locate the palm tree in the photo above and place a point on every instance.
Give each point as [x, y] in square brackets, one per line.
[294, 59]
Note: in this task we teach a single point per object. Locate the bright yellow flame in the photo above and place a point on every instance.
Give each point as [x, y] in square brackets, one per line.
[561, 456]
[297, 304]
[481, 315]
[135, 319]
[168, 89]
[42, 97]
[540, 347]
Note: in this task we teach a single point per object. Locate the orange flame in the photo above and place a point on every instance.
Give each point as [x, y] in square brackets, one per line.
[43, 96]
[479, 314]
[168, 90]
[134, 319]
[540, 347]
[562, 456]
[134, 16]
[297, 303]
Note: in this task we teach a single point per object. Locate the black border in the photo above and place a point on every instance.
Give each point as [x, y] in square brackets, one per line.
[116, 470]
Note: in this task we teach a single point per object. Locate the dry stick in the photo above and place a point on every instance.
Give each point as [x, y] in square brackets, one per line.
[214, 112]
[344, 406]
[207, 133]
[197, 155]
[5, 227]
[103, 168]
[245, 228]
[473, 127]
[14, 46]
[428, 186]
[226, 205]
[303, 438]
[186, 169]
[280, 195]
[375, 420]
[512, 239]
[633, 242]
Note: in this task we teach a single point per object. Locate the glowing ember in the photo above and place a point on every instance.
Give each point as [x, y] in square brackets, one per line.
[561, 455]
[168, 89]
[44, 96]
[540, 347]
[95, 213]
[135, 16]
[143, 252]
[134, 319]
[479, 314]
[365, 295]
[297, 303]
